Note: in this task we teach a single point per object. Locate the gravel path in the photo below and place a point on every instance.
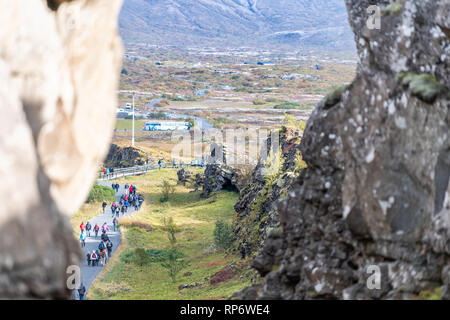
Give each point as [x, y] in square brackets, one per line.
[89, 273]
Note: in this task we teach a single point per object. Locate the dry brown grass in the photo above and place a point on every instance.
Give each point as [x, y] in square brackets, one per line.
[134, 222]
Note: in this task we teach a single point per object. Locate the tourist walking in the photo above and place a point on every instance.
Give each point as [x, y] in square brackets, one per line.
[104, 236]
[96, 228]
[109, 247]
[82, 226]
[104, 204]
[82, 291]
[83, 239]
[94, 258]
[88, 229]
[105, 227]
[88, 256]
[115, 224]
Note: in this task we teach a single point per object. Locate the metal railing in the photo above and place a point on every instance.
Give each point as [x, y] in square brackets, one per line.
[140, 170]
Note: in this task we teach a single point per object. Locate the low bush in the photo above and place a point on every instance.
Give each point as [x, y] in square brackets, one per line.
[287, 105]
[99, 193]
[259, 102]
[223, 235]
[167, 190]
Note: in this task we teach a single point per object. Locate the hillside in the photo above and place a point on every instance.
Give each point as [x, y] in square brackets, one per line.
[262, 23]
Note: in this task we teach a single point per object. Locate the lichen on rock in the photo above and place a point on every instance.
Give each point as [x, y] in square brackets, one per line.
[376, 189]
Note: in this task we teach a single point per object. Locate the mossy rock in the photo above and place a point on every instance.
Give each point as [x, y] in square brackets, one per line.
[423, 86]
[334, 97]
[393, 8]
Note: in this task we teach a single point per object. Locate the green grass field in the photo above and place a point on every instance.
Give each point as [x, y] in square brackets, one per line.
[127, 124]
[196, 218]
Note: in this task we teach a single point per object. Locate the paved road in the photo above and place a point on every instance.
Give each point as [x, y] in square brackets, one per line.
[88, 274]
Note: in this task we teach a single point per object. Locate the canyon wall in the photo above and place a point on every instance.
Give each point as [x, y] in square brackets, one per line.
[59, 69]
[375, 194]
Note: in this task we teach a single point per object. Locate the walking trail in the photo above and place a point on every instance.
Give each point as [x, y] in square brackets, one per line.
[89, 273]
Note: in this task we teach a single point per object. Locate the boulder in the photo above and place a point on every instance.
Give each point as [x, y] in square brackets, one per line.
[184, 176]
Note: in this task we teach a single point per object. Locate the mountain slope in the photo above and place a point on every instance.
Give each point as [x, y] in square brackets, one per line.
[236, 22]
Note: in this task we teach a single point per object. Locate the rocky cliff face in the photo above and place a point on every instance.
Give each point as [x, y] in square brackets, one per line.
[59, 70]
[257, 215]
[124, 157]
[376, 190]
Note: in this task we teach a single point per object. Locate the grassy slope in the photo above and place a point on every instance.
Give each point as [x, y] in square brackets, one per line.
[197, 220]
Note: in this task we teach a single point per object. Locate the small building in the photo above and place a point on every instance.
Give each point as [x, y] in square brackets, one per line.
[166, 126]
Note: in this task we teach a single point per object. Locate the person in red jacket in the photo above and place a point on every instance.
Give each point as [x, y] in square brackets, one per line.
[82, 226]
[96, 228]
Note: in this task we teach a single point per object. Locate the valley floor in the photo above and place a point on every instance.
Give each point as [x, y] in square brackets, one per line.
[125, 279]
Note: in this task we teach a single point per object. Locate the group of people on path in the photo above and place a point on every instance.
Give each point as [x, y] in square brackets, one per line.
[101, 255]
[105, 246]
[107, 172]
[115, 187]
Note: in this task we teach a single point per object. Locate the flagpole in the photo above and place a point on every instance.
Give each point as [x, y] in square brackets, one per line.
[132, 140]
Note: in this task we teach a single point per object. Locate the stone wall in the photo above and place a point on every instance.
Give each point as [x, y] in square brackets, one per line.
[59, 69]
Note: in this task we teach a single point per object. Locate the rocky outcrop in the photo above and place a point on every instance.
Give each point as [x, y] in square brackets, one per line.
[375, 194]
[184, 176]
[124, 157]
[257, 215]
[59, 70]
[219, 177]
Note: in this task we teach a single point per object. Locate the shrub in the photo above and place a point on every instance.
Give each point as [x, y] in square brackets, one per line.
[223, 235]
[259, 102]
[99, 193]
[141, 257]
[163, 255]
[174, 265]
[287, 105]
[171, 228]
[167, 190]
[127, 256]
